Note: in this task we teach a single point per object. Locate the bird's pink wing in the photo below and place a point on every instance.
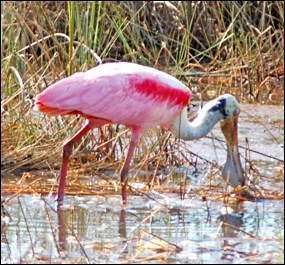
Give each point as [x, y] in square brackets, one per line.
[123, 93]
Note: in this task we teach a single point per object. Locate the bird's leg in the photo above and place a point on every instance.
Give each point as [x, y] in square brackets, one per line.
[67, 150]
[136, 133]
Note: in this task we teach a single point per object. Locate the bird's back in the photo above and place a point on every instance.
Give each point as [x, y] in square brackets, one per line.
[123, 93]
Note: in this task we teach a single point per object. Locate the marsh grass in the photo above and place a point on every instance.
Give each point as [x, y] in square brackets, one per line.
[215, 47]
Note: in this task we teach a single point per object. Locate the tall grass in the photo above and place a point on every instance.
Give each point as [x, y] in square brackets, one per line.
[241, 43]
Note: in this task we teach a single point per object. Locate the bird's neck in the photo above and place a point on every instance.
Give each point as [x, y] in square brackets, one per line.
[182, 128]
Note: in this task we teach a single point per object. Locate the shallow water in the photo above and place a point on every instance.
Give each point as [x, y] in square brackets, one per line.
[163, 229]
[101, 231]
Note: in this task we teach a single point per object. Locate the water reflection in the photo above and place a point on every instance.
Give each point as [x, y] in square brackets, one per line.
[61, 229]
[82, 228]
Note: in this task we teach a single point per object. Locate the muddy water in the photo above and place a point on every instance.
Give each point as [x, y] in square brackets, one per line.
[162, 229]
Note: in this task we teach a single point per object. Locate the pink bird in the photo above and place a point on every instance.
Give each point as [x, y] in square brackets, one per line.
[139, 97]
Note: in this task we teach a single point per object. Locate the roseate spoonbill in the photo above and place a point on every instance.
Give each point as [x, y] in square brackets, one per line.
[139, 97]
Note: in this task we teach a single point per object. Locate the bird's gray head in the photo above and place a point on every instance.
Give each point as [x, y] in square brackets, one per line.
[226, 110]
[226, 104]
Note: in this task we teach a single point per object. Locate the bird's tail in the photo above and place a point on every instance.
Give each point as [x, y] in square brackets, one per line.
[51, 111]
